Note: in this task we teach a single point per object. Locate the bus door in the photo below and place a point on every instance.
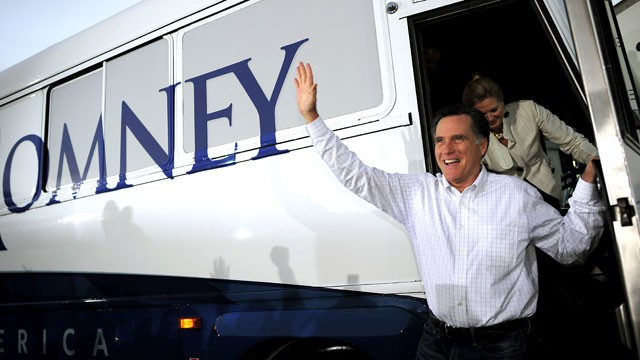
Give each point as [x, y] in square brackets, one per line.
[612, 97]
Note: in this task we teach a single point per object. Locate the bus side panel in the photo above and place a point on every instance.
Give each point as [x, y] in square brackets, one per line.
[186, 152]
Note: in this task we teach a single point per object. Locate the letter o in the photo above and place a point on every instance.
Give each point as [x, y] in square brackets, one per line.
[6, 177]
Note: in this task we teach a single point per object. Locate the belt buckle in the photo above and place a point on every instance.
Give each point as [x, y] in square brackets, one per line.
[449, 330]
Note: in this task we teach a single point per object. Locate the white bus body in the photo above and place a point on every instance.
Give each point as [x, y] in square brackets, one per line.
[155, 166]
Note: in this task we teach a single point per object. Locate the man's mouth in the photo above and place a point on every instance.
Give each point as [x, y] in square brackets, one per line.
[451, 161]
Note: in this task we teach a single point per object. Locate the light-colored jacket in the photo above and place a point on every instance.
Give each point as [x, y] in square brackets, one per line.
[524, 156]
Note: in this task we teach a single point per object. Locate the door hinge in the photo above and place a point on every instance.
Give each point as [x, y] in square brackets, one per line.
[623, 211]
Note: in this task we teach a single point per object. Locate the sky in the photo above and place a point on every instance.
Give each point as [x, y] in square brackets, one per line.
[30, 26]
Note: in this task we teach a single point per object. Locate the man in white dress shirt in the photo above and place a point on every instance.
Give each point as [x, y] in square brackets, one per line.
[473, 232]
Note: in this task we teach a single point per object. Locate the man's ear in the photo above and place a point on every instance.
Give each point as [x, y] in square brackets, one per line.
[484, 145]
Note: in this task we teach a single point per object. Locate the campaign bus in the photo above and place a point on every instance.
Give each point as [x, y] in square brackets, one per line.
[161, 197]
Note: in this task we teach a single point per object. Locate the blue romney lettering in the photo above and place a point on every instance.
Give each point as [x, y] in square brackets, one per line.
[264, 105]
[266, 108]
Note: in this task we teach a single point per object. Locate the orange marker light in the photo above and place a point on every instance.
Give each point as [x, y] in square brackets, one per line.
[190, 323]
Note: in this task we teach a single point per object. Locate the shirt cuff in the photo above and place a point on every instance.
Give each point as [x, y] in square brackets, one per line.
[317, 127]
[586, 191]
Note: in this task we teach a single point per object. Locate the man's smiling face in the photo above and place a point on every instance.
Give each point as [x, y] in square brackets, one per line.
[458, 152]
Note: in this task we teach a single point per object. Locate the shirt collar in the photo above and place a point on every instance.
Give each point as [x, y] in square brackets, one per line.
[480, 181]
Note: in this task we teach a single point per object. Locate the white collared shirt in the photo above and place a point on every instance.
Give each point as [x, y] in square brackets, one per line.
[475, 249]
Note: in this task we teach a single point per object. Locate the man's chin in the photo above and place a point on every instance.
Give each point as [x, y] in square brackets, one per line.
[449, 174]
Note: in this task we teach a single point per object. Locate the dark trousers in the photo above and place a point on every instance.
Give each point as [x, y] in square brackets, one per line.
[438, 343]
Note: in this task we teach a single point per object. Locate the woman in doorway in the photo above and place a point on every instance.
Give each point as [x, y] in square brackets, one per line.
[515, 146]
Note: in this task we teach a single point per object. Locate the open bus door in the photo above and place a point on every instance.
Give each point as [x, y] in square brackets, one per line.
[613, 104]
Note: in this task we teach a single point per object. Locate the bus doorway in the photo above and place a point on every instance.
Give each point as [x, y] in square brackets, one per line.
[511, 42]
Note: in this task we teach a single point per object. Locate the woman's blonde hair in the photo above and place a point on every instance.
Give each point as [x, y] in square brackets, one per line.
[480, 88]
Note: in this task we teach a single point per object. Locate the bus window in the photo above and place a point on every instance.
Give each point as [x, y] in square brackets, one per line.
[240, 66]
[74, 114]
[626, 13]
[138, 97]
[134, 132]
[21, 150]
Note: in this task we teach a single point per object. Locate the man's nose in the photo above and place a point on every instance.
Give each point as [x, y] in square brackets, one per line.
[447, 147]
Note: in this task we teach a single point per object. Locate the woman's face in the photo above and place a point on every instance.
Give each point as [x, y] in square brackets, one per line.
[493, 111]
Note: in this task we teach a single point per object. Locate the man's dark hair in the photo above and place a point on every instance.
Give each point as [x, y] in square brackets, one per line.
[479, 125]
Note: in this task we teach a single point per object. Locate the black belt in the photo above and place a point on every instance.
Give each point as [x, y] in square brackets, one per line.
[502, 328]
